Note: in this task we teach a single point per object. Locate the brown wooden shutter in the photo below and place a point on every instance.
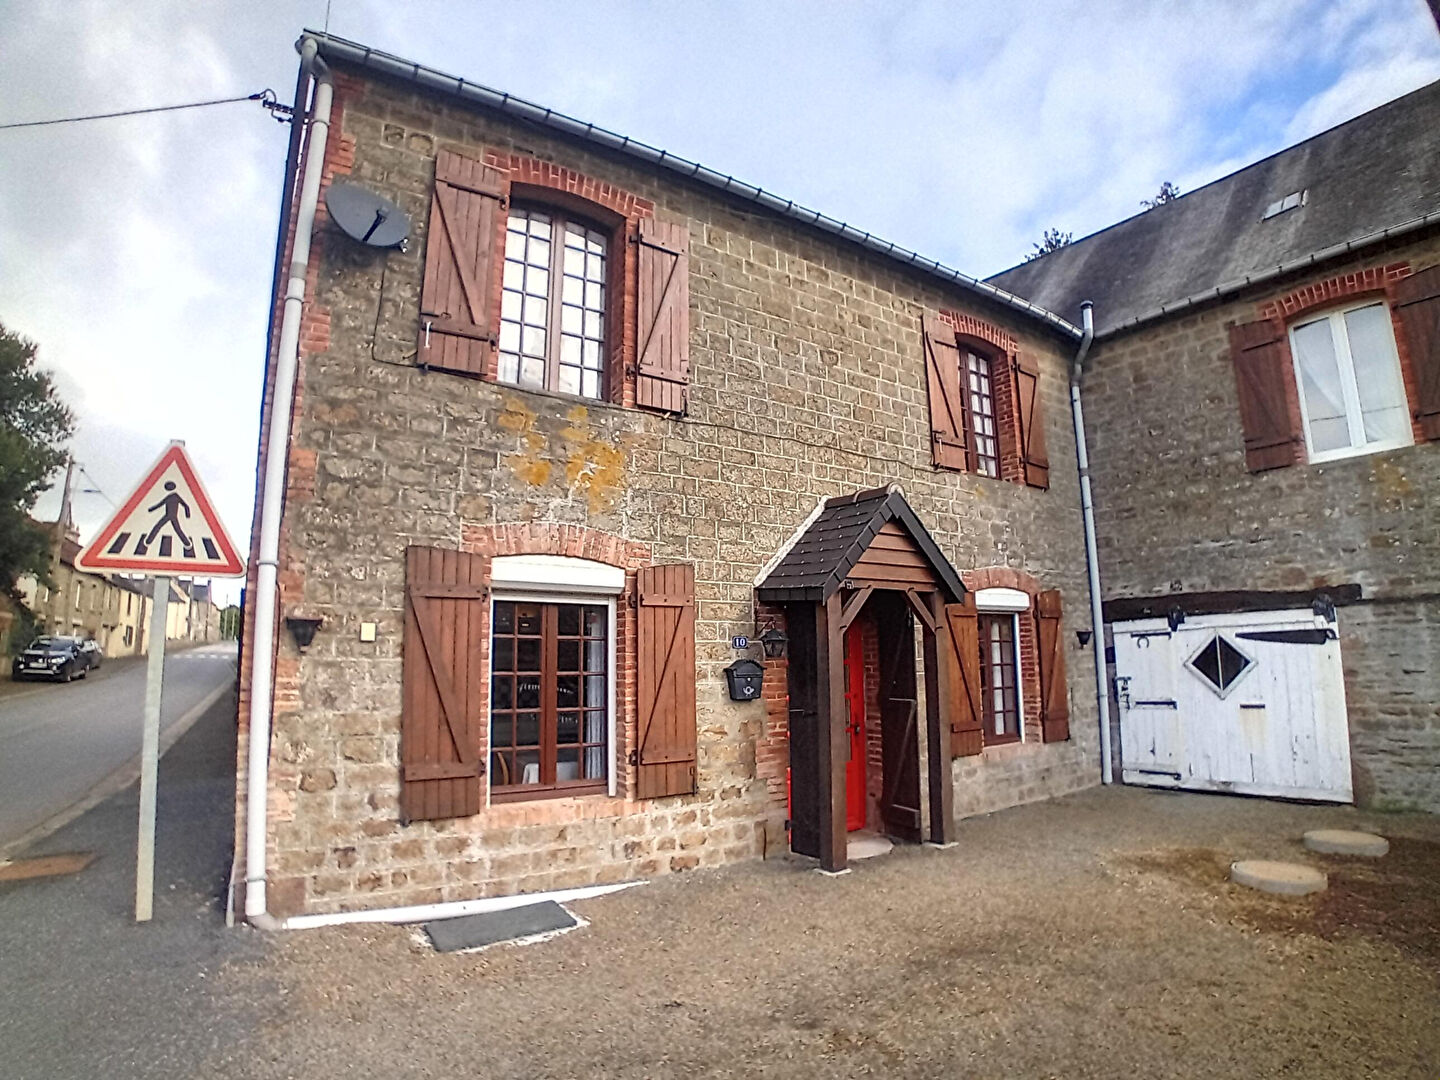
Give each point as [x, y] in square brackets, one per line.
[1054, 693]
[663, 317]
[665, 681]
[967, 717]
[1416, 301]
[1263, 378]
[949, 439]
[1030, 421]
[443, 704]
[457, 317]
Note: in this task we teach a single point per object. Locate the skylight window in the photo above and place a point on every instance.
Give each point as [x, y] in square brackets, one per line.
[1289, 202]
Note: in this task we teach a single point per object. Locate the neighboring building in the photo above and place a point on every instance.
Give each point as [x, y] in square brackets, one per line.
[557, 534]
[610, 410]
[1263, 398]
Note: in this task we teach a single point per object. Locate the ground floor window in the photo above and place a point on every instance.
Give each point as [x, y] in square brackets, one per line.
[549, 697]
[999, 678]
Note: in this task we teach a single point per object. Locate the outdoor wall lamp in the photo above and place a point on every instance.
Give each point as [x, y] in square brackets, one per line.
[302, 629]
[1083, 637]
[773, 641]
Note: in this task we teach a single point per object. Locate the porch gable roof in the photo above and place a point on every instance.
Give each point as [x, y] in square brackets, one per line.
[821, 558]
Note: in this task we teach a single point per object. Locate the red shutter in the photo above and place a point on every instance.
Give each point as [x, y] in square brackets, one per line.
[949, 440]
[1030, 421]
[1416, 302]
[457, 317]
[443, 696]
[966, 713]
[1054, 690]
[665, 681]
[1263, 379]
[663, 317]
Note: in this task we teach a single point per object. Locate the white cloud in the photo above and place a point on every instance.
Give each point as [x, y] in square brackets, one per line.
[138, 252]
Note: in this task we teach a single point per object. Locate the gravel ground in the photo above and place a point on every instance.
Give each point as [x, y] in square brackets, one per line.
[1094, 936]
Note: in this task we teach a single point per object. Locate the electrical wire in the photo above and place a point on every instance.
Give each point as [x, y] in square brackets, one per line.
[265, 96]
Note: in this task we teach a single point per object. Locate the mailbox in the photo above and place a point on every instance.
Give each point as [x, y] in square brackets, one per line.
[744, 677]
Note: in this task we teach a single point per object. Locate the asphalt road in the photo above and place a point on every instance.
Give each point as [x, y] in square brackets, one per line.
[58, 741]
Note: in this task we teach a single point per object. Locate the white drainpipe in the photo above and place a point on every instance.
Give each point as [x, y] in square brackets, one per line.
[1092, 558]
[272, 499]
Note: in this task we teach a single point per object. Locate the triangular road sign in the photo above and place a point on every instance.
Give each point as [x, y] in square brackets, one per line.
[166, 526]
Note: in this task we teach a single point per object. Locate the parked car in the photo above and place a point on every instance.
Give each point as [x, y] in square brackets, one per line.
[94, 654]
[52, 657]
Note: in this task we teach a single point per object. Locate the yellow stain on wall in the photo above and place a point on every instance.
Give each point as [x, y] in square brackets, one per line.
[594, 469]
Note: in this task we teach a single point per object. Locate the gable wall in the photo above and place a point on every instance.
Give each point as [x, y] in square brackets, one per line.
[1177, 511]
[807, 380]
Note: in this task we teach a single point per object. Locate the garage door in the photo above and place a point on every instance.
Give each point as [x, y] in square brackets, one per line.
[1252, 703]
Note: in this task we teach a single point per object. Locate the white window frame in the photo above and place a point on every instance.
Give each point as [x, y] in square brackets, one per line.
[1340, 338]
[1001, 601]
[560, 579]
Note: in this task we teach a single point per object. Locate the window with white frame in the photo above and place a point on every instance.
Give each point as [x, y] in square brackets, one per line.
[999, 626]
[552, 683]
[1352, 395]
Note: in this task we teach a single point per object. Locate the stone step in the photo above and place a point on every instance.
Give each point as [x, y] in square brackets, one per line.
[1346, 842]
[1283, 878]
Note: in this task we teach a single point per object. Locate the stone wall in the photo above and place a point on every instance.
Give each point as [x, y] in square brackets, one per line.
[807, 381]
[1177, 511]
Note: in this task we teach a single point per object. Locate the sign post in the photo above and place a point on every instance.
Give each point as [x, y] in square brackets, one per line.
[167, 526]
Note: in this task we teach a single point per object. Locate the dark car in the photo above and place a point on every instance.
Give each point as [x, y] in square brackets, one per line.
[58, 658]
[94, 655]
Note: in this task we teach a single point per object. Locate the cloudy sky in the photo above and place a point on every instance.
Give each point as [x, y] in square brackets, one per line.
[138, 252]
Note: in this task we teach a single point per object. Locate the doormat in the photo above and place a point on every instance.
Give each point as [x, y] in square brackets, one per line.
[493, 927]
[43, 866]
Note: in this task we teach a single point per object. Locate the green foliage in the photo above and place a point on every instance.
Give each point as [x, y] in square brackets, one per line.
[1054, 240]
[229, 623]
[1168, 193]
[34, 425]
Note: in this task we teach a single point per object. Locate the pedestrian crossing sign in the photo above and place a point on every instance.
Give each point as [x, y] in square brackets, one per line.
[167, 526]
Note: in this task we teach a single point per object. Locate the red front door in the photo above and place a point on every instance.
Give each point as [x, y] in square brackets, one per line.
[855, 714]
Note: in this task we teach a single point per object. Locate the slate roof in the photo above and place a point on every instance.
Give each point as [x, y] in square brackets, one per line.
[1364, 178]
[816, 565]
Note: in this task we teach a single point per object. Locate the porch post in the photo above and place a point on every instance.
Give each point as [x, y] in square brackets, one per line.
[939, 690]
[833, 740]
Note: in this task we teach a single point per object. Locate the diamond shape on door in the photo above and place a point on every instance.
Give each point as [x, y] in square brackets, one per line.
[1220, 664]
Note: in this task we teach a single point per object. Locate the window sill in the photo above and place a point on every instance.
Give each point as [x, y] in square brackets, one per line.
[996, 742]
[560, 395]
[537, 792]
[1330, 456]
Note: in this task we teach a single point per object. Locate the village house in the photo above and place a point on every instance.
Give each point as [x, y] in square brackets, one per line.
[630, 519]
[1263, 401]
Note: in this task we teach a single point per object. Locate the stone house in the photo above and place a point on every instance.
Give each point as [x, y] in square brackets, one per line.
[107, 608]
[555, 467]
[1263, 399]
[630, 519]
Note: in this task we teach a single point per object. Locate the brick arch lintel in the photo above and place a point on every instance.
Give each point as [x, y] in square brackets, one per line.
[968, 326]
[553, 538]
[1333, 290]
[1000, 577]
[535, 172]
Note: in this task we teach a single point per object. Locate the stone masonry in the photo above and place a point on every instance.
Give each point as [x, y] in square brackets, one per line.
[807, 381]
[1177, 511]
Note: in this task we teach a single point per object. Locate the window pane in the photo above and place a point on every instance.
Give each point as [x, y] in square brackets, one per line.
[595, 690]
[527, 692]
[528, 764]
[567, 765]
[502, 692]
[567, 728]
[567, 620]
[527, 729]
[595, 622]
[504, 654]
[1320, 383]
[569, 380]
[1377, 373]
[504, 617]
[510, 306]
[568, 656]
[567, 691]
[532, 371]
[574, 291]
[528, 655]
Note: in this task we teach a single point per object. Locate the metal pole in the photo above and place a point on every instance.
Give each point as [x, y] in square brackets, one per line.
[150, 751]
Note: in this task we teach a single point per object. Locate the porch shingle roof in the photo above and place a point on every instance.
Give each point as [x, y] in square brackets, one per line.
[816, 565]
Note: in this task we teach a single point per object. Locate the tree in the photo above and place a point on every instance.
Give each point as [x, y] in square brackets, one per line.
[1054, 240]
[1168, 193]
[34, 426]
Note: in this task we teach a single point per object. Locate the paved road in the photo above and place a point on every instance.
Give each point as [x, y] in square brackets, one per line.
[58, 741]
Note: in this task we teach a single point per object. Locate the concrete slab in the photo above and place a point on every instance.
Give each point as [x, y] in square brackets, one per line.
[868, 845]
[1346, 842]
[1282, 878]
[493, 927]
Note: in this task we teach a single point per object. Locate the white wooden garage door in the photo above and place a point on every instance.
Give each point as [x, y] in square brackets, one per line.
[1252, 703]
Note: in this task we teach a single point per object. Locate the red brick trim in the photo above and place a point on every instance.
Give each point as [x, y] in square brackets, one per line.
[1000, 577]
[549, 538]
[609, 207]
[1007, 577]
[1319, 294]
[979, 331]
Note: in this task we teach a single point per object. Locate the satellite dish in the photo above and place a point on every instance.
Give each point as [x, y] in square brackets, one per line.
[362, 215]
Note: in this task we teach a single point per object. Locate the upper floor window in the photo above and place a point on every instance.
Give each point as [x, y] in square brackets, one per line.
[978, 379]
[1352, 396]
[552, 315]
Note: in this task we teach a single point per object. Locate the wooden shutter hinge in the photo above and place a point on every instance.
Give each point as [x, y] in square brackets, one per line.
[633, 758]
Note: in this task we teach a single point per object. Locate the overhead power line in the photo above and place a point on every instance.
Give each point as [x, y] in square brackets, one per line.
[266, 98]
